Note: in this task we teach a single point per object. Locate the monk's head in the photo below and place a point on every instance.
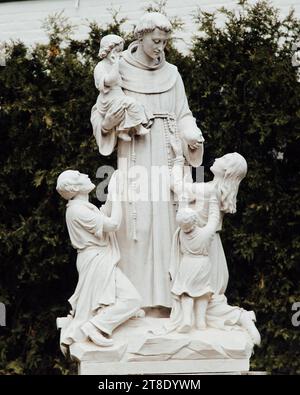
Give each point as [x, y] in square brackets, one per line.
[153, 31]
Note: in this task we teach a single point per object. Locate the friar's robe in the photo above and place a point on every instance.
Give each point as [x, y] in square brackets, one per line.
[145, 235]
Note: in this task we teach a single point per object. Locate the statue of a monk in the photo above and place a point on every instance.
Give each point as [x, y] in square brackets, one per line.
[145, 236]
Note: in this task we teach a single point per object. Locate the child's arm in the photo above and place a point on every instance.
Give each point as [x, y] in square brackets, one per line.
[213, 216]
[112, 77]
[104, 79]
[180, 184]
[99, 74]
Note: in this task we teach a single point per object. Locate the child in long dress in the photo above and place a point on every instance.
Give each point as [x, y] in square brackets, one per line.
[108, 81]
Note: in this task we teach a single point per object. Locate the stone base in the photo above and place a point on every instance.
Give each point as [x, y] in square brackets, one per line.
[165, 367]
[137, 351]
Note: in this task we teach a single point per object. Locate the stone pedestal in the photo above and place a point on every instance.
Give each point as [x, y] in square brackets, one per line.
[137, 351]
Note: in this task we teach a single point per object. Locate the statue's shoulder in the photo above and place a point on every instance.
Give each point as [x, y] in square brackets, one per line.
[209, 189]
[73, 209]
[202, 190]
[77, 208]
[172, 68]
[100, 67]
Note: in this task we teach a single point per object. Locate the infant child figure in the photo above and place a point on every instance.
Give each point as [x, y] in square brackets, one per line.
[192, 275]
[108, 81]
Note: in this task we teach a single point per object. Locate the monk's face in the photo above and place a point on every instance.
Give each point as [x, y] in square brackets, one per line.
[154, 43]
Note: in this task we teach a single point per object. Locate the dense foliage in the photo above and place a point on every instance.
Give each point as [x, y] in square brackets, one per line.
[243, 90]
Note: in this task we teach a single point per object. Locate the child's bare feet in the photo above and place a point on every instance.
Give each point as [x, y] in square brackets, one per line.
[201, 325]
[184, 328]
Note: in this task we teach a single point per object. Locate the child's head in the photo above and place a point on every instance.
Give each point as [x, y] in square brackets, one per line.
[72, 182]
[187, 219]
[229, 171]
[108, 43]
[231, 165]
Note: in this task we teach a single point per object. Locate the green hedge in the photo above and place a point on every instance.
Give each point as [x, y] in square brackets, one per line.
[244, 92]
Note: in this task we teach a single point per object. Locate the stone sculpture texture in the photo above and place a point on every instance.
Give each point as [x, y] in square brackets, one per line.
[135, 252]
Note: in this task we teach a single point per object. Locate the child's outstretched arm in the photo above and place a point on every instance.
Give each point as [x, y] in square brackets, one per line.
[179, 184]
[213, 216]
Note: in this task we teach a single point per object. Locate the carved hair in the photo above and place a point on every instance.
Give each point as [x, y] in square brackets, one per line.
[66, 184]
[108, 43]
[235, 170]
[186, 216]
[151, 21]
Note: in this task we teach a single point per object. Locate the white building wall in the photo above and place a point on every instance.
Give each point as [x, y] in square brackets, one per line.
[23, 20]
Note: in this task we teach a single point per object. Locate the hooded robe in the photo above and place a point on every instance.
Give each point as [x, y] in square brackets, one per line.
[145, 235]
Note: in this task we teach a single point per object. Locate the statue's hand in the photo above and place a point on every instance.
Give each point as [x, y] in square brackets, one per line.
[176, 145]
[194, 139]
[113, 118]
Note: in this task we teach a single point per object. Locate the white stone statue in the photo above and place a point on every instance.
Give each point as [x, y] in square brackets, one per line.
[191, 270]
[104, 298]
[228, 171]
[169, 256]
[111, 98]
[157, 85]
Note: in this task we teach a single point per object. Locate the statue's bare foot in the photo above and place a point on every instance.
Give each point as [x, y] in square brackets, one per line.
[201, 325]
[95, 336]
[184, 328]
